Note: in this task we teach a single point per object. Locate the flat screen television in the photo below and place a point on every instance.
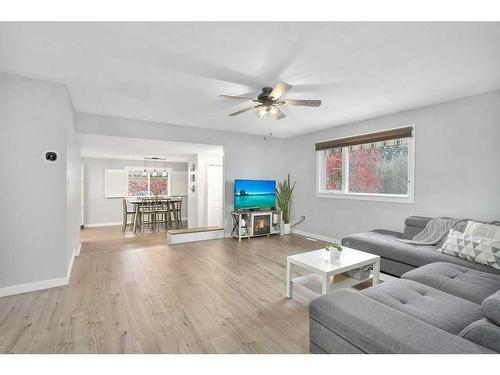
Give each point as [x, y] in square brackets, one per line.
[254, 194]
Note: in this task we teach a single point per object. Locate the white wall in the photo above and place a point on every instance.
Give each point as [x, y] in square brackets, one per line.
[37, 228]
[457, 169]
[97, 208]
[245, 156]
[192, 195]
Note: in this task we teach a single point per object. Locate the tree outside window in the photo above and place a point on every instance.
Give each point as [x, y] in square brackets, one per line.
[371, 168]
[140, 185]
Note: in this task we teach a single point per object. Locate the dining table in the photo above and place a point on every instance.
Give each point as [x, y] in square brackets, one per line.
[139, 200]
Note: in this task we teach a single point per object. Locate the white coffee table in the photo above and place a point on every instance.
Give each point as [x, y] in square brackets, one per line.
[323, 271]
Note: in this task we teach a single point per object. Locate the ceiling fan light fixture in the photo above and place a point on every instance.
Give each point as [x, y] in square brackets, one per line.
[269, 102]
[268, 111]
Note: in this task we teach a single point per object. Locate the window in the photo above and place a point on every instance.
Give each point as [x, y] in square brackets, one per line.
[376, 166]
[333, 169]
[137, 184]
[142, 184]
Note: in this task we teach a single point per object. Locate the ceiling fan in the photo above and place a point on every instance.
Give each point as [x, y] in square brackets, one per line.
[269, 104]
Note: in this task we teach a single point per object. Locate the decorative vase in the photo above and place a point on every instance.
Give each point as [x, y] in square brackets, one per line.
[286, 228]
[334, 255]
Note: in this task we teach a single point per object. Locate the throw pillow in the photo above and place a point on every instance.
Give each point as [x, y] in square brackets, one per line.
[476, 229]
[475, 249]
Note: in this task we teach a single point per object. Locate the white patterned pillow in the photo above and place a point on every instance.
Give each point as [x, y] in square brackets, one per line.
[475, 249]
[483, 230]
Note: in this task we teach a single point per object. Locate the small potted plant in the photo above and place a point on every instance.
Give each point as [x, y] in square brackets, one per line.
[334, 250]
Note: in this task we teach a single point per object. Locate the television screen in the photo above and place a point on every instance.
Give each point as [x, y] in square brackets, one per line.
[254, 194]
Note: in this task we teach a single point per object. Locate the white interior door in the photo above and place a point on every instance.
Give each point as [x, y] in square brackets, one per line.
[215, 189]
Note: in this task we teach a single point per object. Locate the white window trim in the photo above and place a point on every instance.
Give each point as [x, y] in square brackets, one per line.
[169, 184]
[344, 194]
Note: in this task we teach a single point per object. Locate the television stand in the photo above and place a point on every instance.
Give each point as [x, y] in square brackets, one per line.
[248, 224]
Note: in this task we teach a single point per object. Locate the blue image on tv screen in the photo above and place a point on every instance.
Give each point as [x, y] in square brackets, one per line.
[254, 194]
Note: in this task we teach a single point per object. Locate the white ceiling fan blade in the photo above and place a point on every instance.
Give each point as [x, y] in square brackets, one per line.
[236, 97]
[280, 115]
[242, 111]
[307, 103]
[279, 90]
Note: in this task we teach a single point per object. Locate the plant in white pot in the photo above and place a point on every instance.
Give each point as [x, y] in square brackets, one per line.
[334, 250]
[284, 198]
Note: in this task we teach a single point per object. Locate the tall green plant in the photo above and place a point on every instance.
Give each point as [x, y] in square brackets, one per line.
[284, 197]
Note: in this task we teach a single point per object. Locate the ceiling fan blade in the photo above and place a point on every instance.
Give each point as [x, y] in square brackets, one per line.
[242, 110]
[236, 97]
[307, 103]
[279, 90]
[280, 115]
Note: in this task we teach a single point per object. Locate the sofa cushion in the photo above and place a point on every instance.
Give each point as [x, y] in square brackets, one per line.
[383, 243]
[491, 308]
[442, 310]
[460, 281]
[414, 225]
[484, 333]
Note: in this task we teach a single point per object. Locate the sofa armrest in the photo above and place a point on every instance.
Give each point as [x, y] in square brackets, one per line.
[372, 327]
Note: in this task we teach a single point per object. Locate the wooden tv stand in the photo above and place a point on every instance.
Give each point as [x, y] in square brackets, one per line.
[248, 224]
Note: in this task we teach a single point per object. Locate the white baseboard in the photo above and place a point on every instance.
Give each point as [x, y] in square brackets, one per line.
[31, 287]
[76, 252]
[315, 236]
[102, 224]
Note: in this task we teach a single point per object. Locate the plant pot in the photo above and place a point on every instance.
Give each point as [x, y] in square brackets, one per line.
[334, 255]
[286, 228]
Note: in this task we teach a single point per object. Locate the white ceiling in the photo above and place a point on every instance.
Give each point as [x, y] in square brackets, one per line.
[123, 148]
[174, 72]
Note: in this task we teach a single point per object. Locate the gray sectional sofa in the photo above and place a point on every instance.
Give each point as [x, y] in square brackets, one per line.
[441, 304]
[398, 257]
[437, 308]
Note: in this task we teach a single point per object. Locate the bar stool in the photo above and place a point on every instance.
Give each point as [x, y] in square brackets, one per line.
[162, 212]
[126, 213]
[146, 214]
[176, 211]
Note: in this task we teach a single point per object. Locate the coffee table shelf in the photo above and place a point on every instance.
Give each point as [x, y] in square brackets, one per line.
[323, 271]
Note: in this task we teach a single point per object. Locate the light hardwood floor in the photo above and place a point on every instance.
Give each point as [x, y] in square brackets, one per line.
[134, 294]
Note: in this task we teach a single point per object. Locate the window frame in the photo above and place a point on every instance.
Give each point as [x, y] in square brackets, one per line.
[321, 192]
[149, 170]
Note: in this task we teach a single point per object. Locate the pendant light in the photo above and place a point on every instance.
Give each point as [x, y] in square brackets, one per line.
[154, 170]
[144, 173]
[164, 173]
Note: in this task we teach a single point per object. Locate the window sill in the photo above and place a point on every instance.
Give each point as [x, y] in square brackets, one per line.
[407, 199]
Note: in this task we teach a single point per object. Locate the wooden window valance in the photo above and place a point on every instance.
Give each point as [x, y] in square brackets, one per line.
[385, 135]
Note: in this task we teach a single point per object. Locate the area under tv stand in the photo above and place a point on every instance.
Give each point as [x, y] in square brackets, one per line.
[256, 223]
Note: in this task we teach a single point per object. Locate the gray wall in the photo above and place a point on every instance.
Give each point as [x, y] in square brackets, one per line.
[457, 169]
[36, 240]
[97, 208]
[245, 156]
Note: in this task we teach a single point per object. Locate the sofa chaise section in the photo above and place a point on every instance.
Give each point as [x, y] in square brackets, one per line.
[463, 282]
[347, 321]
[438, 308]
